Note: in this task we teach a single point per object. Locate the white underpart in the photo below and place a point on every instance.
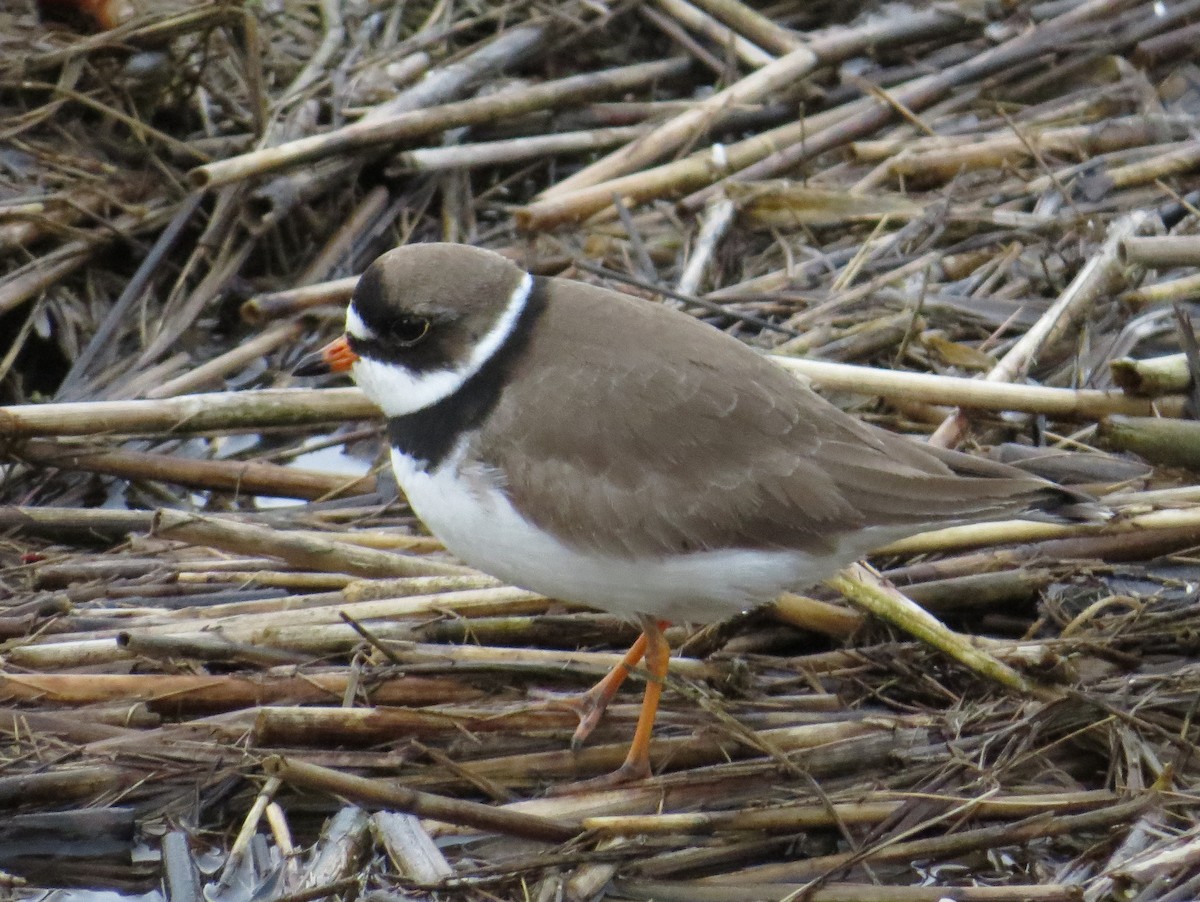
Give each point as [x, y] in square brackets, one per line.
[462, 505]
[397, 391]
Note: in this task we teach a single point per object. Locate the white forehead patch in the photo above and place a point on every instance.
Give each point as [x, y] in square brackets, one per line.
[398, 391]
[356, 327]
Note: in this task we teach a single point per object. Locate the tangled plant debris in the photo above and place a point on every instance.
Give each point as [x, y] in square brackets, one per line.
[232, 658]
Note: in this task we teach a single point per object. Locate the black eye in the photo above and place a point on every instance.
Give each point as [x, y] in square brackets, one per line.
[407, 330]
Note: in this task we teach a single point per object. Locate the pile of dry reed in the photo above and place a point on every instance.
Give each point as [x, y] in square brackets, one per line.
[969, 219]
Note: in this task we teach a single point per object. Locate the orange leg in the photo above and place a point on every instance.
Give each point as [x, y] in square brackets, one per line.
[653, 646]
[592, 704]
[658, 657]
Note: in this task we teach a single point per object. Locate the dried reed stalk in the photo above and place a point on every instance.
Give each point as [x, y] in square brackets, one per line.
[403, 126]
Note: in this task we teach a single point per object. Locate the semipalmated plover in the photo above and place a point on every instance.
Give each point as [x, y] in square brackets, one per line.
[601, 449]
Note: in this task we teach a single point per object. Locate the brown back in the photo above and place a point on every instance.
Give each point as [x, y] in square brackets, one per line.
[658, 434]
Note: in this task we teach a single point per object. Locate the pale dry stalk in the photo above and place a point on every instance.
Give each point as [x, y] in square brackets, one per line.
[774, 76]
[514, 150]
[251, 411]
[404, 126]
[1161, 251]
[1099, 275]
[754, 25]
[702, 23]
[715, 224]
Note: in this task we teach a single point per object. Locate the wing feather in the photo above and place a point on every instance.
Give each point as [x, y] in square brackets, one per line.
[659, 434]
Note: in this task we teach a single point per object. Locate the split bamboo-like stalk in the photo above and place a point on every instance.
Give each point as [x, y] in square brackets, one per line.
[943, 157]
[867, 590]
[1173, 443]
[154, 658]
[513, 150]
[242, 477]
[1083, 404]
[1161, 251]
[839, 891]
[305, 552]
[213, 371]
[185, 692]
[1185, 288]
[782, 72]
[690, 173]
[1102, 272]
[840, 742]
[407, 125]
[270, 408]
[274, 200]
[699, 21]
[393, 796]
[754, 25]
[290, 301]
[913, 96]
[189, 414]
[950, 844]
[35, 279]
[790, 818]
[1152, 377]
[410, 847]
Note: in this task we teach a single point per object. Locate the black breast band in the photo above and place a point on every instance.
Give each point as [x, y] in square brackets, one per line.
[429, 435]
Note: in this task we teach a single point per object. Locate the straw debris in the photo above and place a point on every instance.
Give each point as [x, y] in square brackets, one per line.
[225, 641]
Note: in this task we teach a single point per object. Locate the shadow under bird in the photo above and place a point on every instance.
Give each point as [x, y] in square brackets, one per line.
[580, 443]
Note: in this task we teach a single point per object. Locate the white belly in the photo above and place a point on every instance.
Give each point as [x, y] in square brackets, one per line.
[475, 521]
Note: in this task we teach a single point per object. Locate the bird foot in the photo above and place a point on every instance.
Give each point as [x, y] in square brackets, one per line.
[588, 706]
[629, 772]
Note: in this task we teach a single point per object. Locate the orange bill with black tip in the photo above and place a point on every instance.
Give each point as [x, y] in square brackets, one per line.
[335, 357]
[338, 356]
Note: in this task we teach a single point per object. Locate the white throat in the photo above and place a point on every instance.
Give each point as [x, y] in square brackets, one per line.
[398, 392]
